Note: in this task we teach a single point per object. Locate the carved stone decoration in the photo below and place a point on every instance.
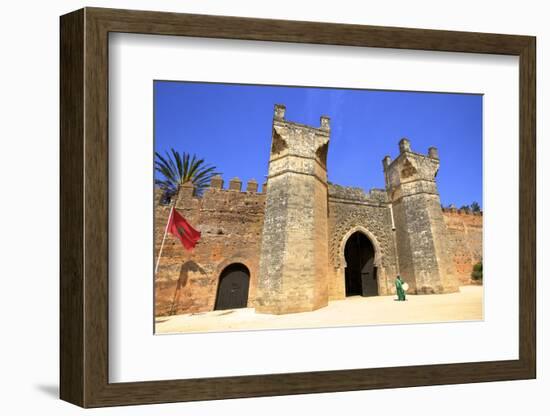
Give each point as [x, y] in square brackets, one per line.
[278, 144]
[408, 170]
[321, 154]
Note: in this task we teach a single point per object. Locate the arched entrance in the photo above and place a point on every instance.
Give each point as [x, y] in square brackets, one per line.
[360, 273]
[233, 287]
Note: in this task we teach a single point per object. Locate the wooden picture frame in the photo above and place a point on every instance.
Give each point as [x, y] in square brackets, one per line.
[84, 207]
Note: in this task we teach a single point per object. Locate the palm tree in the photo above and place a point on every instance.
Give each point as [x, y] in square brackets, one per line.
[177, 169]
[475, 207]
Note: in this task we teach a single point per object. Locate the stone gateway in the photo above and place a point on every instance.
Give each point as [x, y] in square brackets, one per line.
[302, 241]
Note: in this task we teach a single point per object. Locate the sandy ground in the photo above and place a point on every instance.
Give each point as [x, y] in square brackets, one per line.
[466, 305]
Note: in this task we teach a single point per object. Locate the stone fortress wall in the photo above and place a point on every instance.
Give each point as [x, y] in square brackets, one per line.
[352, 210]
[230, 221]
[291, 235]
[465, 236]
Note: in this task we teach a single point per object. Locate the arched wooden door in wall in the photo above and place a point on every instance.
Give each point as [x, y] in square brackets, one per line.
[361, 274]
[233, 287]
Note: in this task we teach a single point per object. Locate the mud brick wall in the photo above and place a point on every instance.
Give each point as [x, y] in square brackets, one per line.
[465, 236]
[230, 222]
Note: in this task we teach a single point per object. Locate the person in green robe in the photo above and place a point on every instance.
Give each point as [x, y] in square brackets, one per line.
[399, 288]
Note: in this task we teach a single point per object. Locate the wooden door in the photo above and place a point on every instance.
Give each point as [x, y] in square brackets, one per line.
[360, 273]
[233, 288]
[369, 279]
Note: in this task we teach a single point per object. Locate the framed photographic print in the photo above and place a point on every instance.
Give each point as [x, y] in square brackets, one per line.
[255, 207]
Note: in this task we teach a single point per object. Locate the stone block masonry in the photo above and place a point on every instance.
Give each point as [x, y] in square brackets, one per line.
[351, 209]
[290, 238]
[423, 250]
[294, 251]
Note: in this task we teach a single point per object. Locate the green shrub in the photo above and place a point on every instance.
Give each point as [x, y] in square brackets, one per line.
[477, 271]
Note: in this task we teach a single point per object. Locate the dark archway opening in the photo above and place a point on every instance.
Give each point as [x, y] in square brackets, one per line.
[361, 274]
[233, 287]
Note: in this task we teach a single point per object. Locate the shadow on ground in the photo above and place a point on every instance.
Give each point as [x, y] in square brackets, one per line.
[49, 390]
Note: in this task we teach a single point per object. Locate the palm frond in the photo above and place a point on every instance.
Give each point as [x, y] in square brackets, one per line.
[177, 168]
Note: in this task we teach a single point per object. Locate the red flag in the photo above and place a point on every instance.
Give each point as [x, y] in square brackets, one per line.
[181, 229]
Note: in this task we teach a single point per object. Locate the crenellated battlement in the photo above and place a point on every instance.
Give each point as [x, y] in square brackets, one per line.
[411, 172]
[405, 149]
[358, 195]
[235, 184]
[232, 202]
[279, 119]
[465, 239]
[460, 211]
[230, 221]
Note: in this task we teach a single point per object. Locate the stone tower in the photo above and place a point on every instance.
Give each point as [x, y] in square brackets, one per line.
[425, 262]
[294, 250]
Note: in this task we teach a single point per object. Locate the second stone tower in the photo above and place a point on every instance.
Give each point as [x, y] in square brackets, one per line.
[425, 260]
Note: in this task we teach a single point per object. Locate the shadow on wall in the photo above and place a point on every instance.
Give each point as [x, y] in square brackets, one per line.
[188, 266]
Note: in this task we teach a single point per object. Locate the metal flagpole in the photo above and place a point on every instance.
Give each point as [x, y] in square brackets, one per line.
[164, 238]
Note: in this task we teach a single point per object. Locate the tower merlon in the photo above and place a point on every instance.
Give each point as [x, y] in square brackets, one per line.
[252, 186]
[386, 161]
[433, 152]
[404, 145]
[186, 190]
[279, 112]
[325, 123]
[216, 182]
[235, 184]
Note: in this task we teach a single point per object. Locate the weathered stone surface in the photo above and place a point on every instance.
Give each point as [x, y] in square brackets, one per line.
[465, 237]
[350, 210]
[292, 235]
[425, 261]
[252, 186]
[294, 253]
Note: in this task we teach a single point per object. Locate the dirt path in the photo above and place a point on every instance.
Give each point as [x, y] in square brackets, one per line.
[466, 305]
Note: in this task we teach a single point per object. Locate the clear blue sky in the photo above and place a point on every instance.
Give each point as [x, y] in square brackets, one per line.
[230, 127]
